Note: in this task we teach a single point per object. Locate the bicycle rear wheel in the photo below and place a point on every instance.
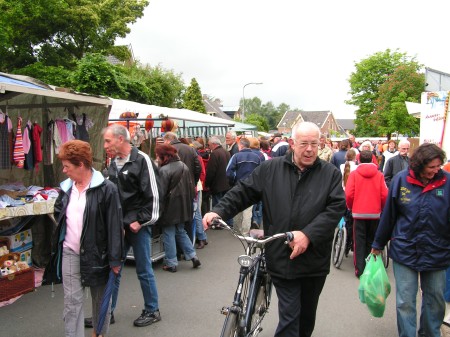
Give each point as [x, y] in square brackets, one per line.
[339, 244]
[230, 326]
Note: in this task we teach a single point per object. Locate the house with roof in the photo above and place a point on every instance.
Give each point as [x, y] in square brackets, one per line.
[233, 111]
[323, 119]
[214, 108]
[348, 125]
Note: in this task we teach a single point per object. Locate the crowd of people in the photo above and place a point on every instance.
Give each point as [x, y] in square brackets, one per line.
[402, 205]
[304, 184]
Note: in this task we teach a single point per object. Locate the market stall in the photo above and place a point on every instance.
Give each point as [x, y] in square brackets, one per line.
[35, 118]
[189, 123]
[45, 107]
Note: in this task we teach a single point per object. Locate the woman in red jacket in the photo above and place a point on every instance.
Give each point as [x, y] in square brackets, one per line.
[366, 194]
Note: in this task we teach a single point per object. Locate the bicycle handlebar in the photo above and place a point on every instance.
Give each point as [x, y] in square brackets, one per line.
[288, 235]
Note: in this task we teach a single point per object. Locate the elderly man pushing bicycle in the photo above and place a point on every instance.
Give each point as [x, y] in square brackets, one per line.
[302, 194]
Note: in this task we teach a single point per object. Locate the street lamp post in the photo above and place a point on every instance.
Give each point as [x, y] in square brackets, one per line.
[243, 98]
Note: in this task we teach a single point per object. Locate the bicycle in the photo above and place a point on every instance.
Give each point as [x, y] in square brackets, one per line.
[252, 297]
[341, 247]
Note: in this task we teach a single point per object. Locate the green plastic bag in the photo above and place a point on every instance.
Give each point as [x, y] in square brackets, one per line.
[374, 286]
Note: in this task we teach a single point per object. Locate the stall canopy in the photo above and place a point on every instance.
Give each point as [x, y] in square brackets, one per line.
[40, 104]
[190, 123]
[242, 127]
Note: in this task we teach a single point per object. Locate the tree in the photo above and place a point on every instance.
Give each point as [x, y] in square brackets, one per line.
[268, 111]
[365, 83]
[60, 32]
[58, 76]
[405, 84]
[193, 99]
[257, 120]
[95, 75]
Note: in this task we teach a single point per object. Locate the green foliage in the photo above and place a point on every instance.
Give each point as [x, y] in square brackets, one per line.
[121, 52]
[257, 120]
[268, 111]
[58, 76]
[152, 85]
[405, 84]
[365, 84]
[59, 32]
[95, 75]
[193, 99]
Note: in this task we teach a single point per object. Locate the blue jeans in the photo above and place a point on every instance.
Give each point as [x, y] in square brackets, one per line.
[173, 235]
[257, 213]
[142, 250]
[432, 284]
[200, 232]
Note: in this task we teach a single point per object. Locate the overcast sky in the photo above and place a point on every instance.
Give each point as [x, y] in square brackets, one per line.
[302, 51]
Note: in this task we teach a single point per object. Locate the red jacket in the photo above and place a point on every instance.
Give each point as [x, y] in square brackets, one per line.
[366, 192]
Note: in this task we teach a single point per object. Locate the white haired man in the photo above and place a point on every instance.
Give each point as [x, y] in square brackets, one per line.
[397, 163]
[305, 196]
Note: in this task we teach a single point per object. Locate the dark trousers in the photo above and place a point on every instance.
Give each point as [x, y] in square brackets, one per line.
[363, 236]
[206, 202]
[297, 305]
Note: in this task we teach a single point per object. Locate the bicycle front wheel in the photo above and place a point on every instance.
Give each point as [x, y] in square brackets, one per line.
[338, 249]
[230, 326]
[261, 305]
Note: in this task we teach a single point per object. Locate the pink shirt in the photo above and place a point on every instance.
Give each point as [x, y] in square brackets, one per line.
[74, 219]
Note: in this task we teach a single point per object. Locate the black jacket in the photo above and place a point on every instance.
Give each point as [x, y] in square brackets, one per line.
[233, 149]
[312, 202]
[101, 245]
[189, 156]
[139, 188]
[178, 189]
[393, 166]
[216, 179]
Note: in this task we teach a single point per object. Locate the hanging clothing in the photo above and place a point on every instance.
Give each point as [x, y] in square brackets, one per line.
[82, 129]
[18, 154]
[71, 127]
[59, 134]
[49, 145]
[36, 141]
[5, 146]
[28, 147]
[26, 138]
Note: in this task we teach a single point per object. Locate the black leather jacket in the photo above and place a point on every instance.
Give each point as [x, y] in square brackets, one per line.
[101, 245]
[139, 188]
[178, 190]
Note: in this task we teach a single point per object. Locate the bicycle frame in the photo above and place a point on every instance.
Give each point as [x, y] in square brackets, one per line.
[252, 277]
[254, 274]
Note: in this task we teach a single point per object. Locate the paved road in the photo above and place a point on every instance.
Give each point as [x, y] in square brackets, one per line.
[190, 301]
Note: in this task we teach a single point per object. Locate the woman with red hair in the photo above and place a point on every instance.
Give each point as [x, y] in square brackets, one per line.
[89, 238]
[178, 189]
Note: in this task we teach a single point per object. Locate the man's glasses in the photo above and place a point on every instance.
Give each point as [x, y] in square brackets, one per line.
[306, 144]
